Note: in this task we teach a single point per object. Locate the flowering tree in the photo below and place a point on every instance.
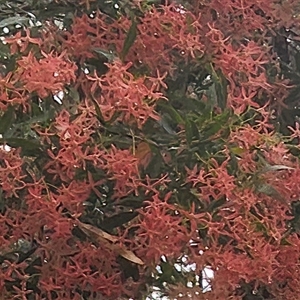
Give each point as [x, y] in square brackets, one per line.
[145, 142]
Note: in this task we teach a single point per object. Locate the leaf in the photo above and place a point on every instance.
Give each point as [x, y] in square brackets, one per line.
[2, 202]
[165, 106]
[96, 233]
[270, 191]
[219, 86]
[114, 117]
[144, 154]
[98, 111]
[297, 60]
[216, 204]
[118, 219]
[221, 90]
[191, 131]
[165, 125]
[130, 38]
[29, 147]
[12, 21]
[109, 55]
[155, 166]
[276, 168]
[211, 95]
[5, 51]
[6, 120]
[260, 227]
[74, 94]
[129, 255]
[237, 150]
[99, 236]
[219, 122]
[169, 273]
[266, 167]
[132, 201]
[285, 242]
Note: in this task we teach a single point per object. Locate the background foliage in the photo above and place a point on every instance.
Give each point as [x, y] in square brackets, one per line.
[144, 142]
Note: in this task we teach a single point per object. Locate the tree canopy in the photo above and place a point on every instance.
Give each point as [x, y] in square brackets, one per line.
[146, 142]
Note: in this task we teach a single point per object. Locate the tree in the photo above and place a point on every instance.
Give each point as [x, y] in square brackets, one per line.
[144, 142]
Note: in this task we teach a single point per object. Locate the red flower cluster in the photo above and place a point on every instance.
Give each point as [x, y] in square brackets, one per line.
[11, 172]
[49, 74]
[221, 193]
[133, 98]
[161, 224]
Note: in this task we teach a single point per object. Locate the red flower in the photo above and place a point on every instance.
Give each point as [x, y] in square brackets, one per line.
[215, 183]
[11, 173]
[295, 131]
[135, 99]
[20, 43]
[47, 75]
[159, 225]
[122, 167]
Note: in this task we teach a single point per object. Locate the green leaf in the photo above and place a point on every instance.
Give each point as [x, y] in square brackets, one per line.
[221, 90]
[155, 166]
[6, 120]
[211, 95]
[260, 227]
[219, 86]
[270, 191]
[237, 150]
[131, 201]
[4, 51]
[130, 38]
[29, 147]
[74, 94]
[285, 242]
[118, 220]
[297, 60]
[98, 112]
[217, 123]
[216, 204]
[167, 107]
[169, 274]
[114, 117]
[163, 121]
[191, 131]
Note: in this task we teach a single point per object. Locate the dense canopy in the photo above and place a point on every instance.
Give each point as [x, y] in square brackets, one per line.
[147, 143]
